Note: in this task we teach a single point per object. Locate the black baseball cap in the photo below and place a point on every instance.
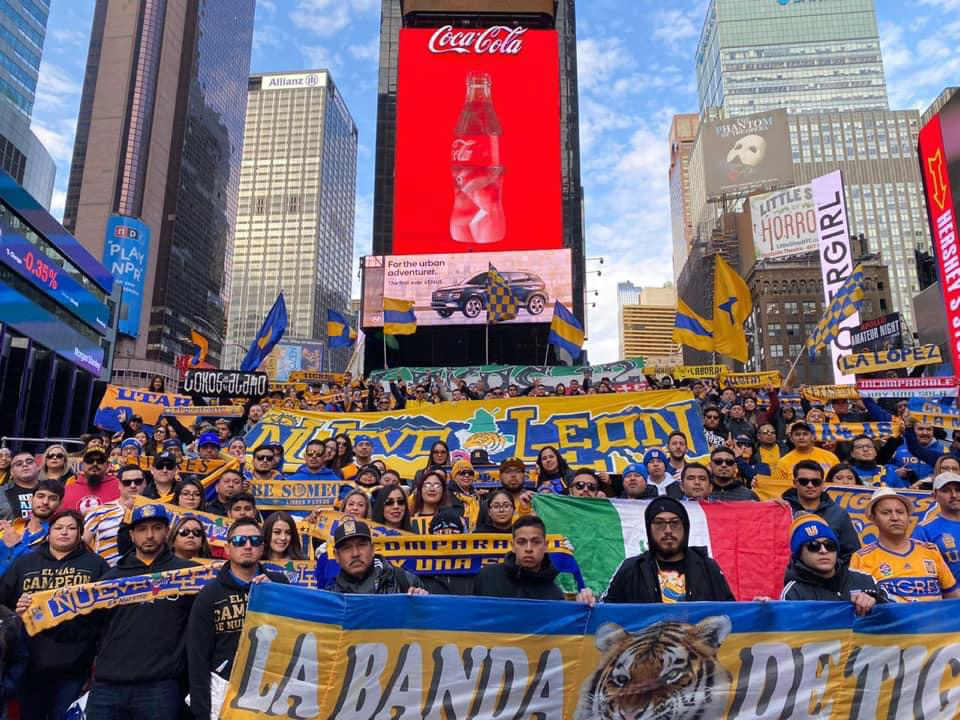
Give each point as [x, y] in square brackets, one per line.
[94, 453]
[350, 528]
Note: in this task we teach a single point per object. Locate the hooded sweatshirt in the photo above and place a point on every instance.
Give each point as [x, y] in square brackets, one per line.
[646, 579]
[144, 642]
[213, 632]
[67, 648]
[835, 516]
[509, 580]
[802, 583]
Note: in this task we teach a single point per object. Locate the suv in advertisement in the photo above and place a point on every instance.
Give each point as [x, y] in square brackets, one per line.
[470, 297]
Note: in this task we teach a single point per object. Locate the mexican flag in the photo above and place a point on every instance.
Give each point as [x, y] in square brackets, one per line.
[749, 540]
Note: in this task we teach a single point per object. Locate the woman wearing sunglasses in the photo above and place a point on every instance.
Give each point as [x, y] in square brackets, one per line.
[391, 508]
[188, 539]
[55, 465]
[815, 572]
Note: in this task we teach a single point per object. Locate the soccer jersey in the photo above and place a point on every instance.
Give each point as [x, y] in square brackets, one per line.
[104, 522]
[783, 471]
[918, 575]
[945, 534]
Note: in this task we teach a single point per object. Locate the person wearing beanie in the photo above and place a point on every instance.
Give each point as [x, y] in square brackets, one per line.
[447, 521]
[670, 571]
[817, 573]
[635, 485]
[943, 529]
[809, 496]
[461, 478]
[656, 462]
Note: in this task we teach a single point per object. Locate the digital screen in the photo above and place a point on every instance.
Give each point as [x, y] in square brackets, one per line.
[452, 289]
[125, 251]
[478, 147]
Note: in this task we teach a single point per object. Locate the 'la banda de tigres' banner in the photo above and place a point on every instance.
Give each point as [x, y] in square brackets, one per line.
[871, 362]
[605, 432]
[847, 431]
[307, 654]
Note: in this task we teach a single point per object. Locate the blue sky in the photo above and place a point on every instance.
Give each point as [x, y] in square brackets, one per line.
[636, 72]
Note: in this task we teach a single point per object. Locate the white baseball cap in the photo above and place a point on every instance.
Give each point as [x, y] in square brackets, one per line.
[945, 478]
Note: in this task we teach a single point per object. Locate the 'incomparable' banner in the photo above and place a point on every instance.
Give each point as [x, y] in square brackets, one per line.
[307, 654]
[605, 432]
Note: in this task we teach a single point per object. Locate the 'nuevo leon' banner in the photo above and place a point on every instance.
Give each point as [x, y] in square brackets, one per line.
[306, 654]
[605, 432]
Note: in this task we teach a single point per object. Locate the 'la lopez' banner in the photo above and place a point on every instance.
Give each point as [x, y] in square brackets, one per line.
[871, 362]
[120, 403]
[307, 654]
[605, 432]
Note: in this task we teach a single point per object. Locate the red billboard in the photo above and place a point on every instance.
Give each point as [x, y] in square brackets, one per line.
[934, 160]
[478, 160]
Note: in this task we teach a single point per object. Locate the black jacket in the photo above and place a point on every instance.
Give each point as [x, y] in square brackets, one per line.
[381, 579]
[67, 649]
[144, 642]
[836, 517]
[213, 633]
[650, 492]
[448, 584]
[802, 583]
[485, 526]
[509, 580]
[733, 492]
[637, 581]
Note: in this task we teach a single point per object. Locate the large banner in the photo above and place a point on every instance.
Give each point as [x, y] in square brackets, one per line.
[883, 333]
[605, 432]
[126, 250]
[307, 654]
[784, 223]
[478, 161]
[451, 289]
[750, 152]
[871, 362]
[120, 403]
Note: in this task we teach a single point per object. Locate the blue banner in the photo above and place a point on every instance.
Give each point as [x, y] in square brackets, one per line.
[125, 251]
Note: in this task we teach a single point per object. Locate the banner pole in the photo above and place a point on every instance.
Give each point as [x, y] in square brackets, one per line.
[546, 355]
[384, 349]
[486, 336]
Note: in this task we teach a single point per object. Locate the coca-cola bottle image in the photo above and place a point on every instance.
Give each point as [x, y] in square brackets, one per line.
[477, 168]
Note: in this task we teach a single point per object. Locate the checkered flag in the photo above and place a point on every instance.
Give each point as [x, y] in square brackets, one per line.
[501, 302]
[844, 304]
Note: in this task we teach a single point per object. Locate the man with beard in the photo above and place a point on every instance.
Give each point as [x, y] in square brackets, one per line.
[93, 487]
[362, 572]
[726, 485]
[216, 618]
[47, 496]
[677, 451]
[635, 484]
[713, 427]
[670, 571]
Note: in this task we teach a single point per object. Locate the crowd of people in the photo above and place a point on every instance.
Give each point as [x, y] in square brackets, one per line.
[105, 512]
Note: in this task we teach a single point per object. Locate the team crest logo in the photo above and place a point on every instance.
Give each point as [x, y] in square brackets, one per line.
[948, 541]
[930, 567]
[811, 530]
[885, 570]
[349, 526]
[148, 511]
[482, 433]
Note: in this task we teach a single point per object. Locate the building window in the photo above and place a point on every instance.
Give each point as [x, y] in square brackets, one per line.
[791, 308]
[793, 329]
[773, 308]
[773, 329]
[809, 308]
[795, 350]
[776, 351]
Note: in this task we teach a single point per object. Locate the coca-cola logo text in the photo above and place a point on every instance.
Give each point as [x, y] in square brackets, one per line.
[492, 41]
[463, 150]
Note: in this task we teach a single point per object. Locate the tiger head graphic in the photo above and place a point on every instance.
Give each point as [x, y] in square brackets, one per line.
[668, 671]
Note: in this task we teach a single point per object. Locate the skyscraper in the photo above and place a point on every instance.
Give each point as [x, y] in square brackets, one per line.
[23, 29]
[757, 55]
[159, 142]
[683, 133]
[296, 207]
[646, 319]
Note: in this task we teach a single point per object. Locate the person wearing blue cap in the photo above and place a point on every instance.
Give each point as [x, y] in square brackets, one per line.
[635, 484]
[208, 446]
[815, 572]
[130, 450]
[656, 462]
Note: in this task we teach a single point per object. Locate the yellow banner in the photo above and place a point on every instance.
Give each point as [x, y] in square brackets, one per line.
[295, 495]
[216, 526]
[871, 362]
[120, 403]
[208, 410]
[825, 393]
[765, 379]
[698, 372]
[315, 376]
[847, 431]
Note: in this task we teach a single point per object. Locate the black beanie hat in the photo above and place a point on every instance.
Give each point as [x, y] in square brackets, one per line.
[667, 504]
[447, 519]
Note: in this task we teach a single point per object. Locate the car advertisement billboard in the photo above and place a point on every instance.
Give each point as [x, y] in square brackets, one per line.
[125, 252]
[478, 148]
[452, 289]
[784, 223]
[746, 153]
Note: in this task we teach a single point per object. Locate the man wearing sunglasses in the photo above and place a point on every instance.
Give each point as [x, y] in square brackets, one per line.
[216, 618]
[313, 467]
[670, 571]
[143, 646]
[164, 481]
[94, 486]
[585, 484]
[817, 573]
[801, 436]
[25, 473]
[102, 525]
[726, 485]
[807, 496]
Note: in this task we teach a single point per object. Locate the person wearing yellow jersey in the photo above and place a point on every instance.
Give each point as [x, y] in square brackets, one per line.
[907, 570]
[768, 450]
[362, 456]
[801, 435]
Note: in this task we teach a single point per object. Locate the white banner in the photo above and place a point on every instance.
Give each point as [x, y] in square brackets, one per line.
[784, 223]
[836, 259]
[922, 387]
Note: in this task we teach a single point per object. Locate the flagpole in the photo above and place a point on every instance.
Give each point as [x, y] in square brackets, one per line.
[384, 348]
[486, 336]
[546, 355]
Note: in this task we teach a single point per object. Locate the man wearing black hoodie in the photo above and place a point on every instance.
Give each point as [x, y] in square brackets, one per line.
[142, 660]
[216, 619]
[526, 571]
[670, 571]
[808, 496]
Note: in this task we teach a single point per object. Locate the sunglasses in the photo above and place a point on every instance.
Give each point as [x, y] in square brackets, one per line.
[185, 532]
[816, 546]
[585, 486]
[165, 466]
[729, 463]
[101, 461]
[130, 482]
[56, 456]
[467, 473]
[502, 506]
[238, 541]
[311, 453]
[393, 501]
[816, 482]
[263, 458]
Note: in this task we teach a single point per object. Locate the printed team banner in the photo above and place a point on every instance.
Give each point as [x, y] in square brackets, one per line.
[784, 223]
[847, 431]
[764, 379]
[297, 572]
[921, 387]
[605, 432]
[944, 420]
[871, 362]
[315, 376]
[192, 466]
[216, 526]
[295, 495]
[207, 411]
[234, 383]
[311, 654]
[825, 393]
[698, 372]
[120, 403]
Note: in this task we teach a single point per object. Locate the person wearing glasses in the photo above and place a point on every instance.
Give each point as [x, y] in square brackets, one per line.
[164, 483]
[713, 426]
[314, 465]
[801, 436]
[216, 618]
[102, 524]
[670, 571]
[391, 508]
[817, 573]
[498, 513]
[726, 484]
[807, 496]
[25, 474]
[94, 486]
[585, 484]
[189, 495]
[188, 539]
[55, 465]
[143, 646]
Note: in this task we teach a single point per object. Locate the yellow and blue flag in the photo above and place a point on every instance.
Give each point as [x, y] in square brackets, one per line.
[200, 348]
[845, 303]
[692, 330]
[270, 333]
[566, 332]
[502, 304]
[398, 317]
[732, 306]
[339, 332]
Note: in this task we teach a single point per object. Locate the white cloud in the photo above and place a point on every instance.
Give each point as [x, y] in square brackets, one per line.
[57, 203]
[269, 5]
[321, 17]
[599, 59]
[677, 29]
[368, 51]
[320, 56]
[58, 140]
[55, 87]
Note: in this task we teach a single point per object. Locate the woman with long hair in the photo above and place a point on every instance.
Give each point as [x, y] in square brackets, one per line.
[6, 458]
[430, 495]
[283, 540]
[157, 384]
[357, 505]
[842, 474]
[439, 458]
[188, 539]
[497, 513]
[189, 495]
[344, 451]
[55, 465]
[392, 508]
[553, 471]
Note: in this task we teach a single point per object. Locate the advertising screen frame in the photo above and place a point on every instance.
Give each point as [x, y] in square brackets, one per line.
[126, 256]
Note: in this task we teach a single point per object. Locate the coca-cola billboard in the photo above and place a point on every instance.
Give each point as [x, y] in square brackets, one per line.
[478, 158]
